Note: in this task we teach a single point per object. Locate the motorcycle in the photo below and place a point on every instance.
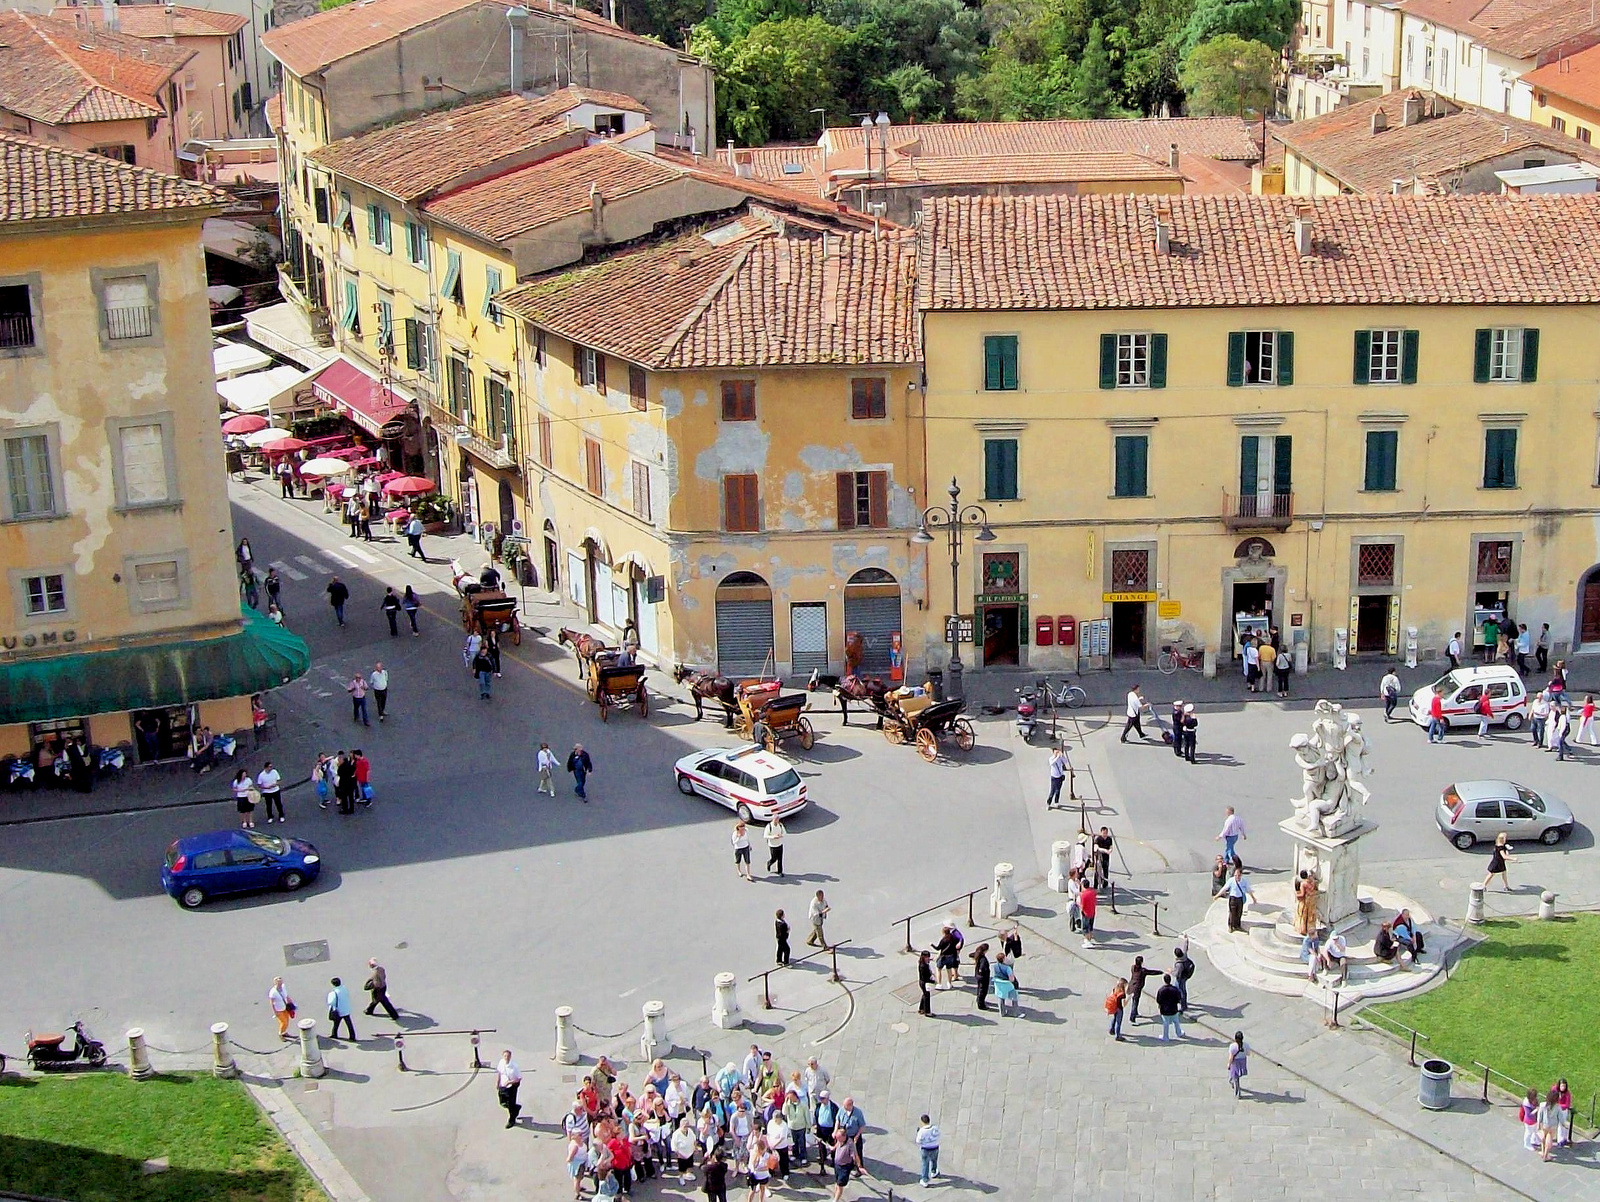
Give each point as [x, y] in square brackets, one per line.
[1027, 709]
[48, 1053]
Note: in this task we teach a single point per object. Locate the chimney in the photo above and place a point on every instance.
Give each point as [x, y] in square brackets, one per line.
[171, 22]
[1303, 225]
[1172, 156]
[1380, 121]
[517, 18]
[1163, 230]
[597, 209]
[109, 17]
[1412, 112]
[611, 11]
[1397, 186]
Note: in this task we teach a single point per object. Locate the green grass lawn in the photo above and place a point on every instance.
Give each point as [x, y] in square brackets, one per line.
[1523, 1002]
[84, 1138]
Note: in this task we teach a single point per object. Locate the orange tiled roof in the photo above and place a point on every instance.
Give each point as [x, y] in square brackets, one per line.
[1213, 137]
[54, 72]
[273, 112]
[150, 20]
[419, 156]
[783, 193]
[754, 292]
[1342, 144]
[1099, 252]
[1575, 78]
[1518, 28]
[40, 183]
[322, 39]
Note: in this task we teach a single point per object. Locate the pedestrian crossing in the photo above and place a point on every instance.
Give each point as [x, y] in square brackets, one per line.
[316, 567]
[285, 570]
[338, 557]
[361, 553]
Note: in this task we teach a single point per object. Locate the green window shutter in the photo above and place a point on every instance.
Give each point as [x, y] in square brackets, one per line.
[1133, 457]
[1283, 465]
[411, 343]
[372, 224]
[1236, 359]
[1158, 361]
[1382, 453]
[1000, 469]
[1285, 357]
[452, 275]
[491, 285]
[1108, 361]
[1480, 356]
[1530, 356]
[1410, 340]
[1500, 459]
[993, 371]
[1363, 370]
[1008, 363]
[1249, 464]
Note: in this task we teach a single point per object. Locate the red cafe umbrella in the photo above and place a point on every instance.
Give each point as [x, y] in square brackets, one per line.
[245, 423]
[281, 446]
[409, 486]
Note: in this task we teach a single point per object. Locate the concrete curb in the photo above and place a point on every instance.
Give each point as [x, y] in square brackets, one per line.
[310, 1147]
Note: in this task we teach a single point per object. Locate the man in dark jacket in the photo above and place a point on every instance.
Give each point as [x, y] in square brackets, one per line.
[1167, 1001]
[378, 987]
[391, 610]
[580, 765]
[338, 594]
[1137, 976]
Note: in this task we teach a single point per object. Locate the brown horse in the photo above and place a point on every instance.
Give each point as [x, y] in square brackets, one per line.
[584, 646]
[869, 690]
[705, 686]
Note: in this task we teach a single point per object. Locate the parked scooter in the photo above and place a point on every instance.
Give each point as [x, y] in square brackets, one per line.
[1027, 708]
[48, 1053]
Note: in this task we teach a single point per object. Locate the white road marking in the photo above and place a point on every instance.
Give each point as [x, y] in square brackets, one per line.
[338, 557]
[287, 570]
[312, 564]
[363, 555]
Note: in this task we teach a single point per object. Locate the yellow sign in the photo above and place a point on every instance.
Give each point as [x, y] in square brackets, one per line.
[1110, 598]
[1168, 610]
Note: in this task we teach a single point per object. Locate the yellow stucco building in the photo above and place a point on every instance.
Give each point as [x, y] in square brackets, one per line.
[1365, 421]
[722, 443]
[121, 604]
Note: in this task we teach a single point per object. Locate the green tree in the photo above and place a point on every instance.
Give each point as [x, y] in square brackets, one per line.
[1092, 82]
[1267, 21]
[770, 79]
[1009, 90]
[1229, 77]
[916, 94]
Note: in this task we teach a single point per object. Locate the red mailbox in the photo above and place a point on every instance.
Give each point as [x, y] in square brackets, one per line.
[1067, 630]
[1044, 632]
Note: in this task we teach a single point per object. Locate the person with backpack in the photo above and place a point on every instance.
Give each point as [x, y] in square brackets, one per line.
[1485, 708]
[1114, 1004]
[1182, 970]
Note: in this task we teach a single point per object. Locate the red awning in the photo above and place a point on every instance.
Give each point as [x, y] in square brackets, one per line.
[358, 395]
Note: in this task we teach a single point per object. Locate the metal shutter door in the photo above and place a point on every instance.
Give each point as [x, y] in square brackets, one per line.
[875, 619]
[808, 633]
[744, 637]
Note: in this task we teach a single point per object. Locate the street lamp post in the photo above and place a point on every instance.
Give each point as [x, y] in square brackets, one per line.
[955, 521]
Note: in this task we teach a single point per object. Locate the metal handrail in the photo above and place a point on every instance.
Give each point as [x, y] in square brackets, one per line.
[1367, 1016]
[765, 977]
[971, 921]
[1146, 898]
[399, 1038]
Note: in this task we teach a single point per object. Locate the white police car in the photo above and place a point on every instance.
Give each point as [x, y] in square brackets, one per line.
[750, 780]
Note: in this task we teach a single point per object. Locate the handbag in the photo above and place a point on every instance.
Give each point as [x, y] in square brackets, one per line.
[333, 1015]
[289, 1008]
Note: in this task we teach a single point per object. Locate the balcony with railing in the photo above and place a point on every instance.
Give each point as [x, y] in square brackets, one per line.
[16, 331]
[500, 453]
[1255, 511]
[129, 321]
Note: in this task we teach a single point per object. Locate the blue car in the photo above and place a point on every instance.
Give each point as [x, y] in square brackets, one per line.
[238, 861]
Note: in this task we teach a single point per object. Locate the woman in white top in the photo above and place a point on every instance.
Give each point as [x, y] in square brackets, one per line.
[762, 1162]
[683, 1145]
[741, 850]
[780, 1140]
[244, 790]
[1549, 1123]
[774, 837]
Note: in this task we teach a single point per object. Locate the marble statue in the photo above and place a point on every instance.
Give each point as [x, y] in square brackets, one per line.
[1333, 767]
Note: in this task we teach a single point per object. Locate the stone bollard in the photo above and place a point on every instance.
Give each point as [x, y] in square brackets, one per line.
[1475, 905]
[310, 1049]
[1547, 906]
[1060, 865]
[655, 1030]
[1003, 900]
[138, 1055]
[1208, 663]
[222, 1064]
[566, 1045]
[725, 1012]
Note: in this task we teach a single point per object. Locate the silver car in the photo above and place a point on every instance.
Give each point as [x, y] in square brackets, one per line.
[1482, 809]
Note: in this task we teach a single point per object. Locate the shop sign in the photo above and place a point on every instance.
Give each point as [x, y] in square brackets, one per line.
[42, 638]
[1167, 611]
[1004, 598]
[1112, 598]
[1096, 637]
[1297, 619]
[958, 628]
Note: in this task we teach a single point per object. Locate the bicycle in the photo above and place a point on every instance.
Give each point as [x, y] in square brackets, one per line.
[1068, 696]
[1172, 659]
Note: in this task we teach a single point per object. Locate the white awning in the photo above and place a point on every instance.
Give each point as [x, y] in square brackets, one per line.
[262, 391]
[238, 240]
[231, 359]
[284, 328]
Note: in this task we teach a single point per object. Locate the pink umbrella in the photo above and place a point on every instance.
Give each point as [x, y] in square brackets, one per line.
[410, 486]
[281, 446]
[245, 423]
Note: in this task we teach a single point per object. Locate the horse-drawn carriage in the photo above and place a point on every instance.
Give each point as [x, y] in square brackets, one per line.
[768, 716]
[614, 684]
[485, 606]
[913, 716]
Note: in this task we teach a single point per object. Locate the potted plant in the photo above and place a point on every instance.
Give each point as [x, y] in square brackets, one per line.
[438, 513]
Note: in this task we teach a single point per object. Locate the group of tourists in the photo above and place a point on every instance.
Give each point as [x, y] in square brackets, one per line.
[750, 1120]
[344, 778]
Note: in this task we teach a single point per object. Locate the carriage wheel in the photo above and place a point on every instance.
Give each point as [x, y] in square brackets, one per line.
[644, 702]
[966, 738]
[892, 731]
[928, 744]
[808, 737]
[762, 733]
[604, 701]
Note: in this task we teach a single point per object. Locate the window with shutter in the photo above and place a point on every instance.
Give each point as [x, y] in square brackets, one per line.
[1384, 356]
[1133, 361]
[1249, 465]
[1000, 363]
[547, 450]
[868, 398]
[1383, 450]
[1500, 458]
[585, 366]
[845, 490]
[491, 286]
[1132, 465]
[741, 503]
[641, 490]
[1530, 355]
[878, 500]
[452, 277]
[413, 344]
[1282, 465]
[599, 372]
[1000, 469]
[738, 400]
[636, 388]
[594, 467]
[540, 350]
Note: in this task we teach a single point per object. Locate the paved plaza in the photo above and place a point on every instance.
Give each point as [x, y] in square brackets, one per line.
[491, 906]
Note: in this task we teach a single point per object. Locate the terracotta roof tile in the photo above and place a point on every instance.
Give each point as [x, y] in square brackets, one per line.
[1575, 78]
[150, 20]
[1518, 28]
[1098, 252]
[316, 42]
[419, 156]
[40, 182]
[55, 72]
[273, 112]
[750, 293]
[1213, 137]
[1342, 144]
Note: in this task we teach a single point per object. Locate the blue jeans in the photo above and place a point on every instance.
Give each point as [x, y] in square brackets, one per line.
[1055, 790]
[930, 1164]
[358, 706]
[578, 777]
[1229, 842]
[1116, 1022]
[1183, 993]
[338, 612]
[1537, 728]
[1436, 730]
[1169, 1022]
[484, 679]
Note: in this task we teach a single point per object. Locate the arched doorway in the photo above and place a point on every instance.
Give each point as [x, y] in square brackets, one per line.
[1589, 608]
[872, 617]
[744, 625]
[552, 557]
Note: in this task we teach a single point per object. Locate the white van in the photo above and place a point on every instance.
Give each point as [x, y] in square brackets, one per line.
[1460, 689]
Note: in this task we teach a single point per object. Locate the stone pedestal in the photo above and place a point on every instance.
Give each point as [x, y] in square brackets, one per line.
[310, 1050]
[1003, 899]
[1060, 865]
[566, 1045]
[1336, 863]
[725, 1012]
[1475, 905]
[1547, 906]
[222, 1064]
[138, 1055]
[655, 1030]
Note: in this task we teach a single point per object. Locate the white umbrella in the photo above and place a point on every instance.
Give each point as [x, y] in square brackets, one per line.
[262, 437]
[324, 467]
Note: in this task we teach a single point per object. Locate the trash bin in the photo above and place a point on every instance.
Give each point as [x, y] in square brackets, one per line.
[1433, 1088]
[936, 683]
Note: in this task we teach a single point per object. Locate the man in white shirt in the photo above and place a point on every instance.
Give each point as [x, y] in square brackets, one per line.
[1453, 650]
[818, 912]
[1252, 664]
[928, 1142]
[546, 762]
[271, 785]
[1058, 773]
[1389, 690]
[282, 1004]
[1230, 834]
[1333, 956]
[379, 680]
[774, 836]
[508, 1078]
[752, 1067]
[1135, 708]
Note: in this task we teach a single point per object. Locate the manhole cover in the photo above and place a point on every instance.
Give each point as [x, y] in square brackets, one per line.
[314, 952]
[900, 1028]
